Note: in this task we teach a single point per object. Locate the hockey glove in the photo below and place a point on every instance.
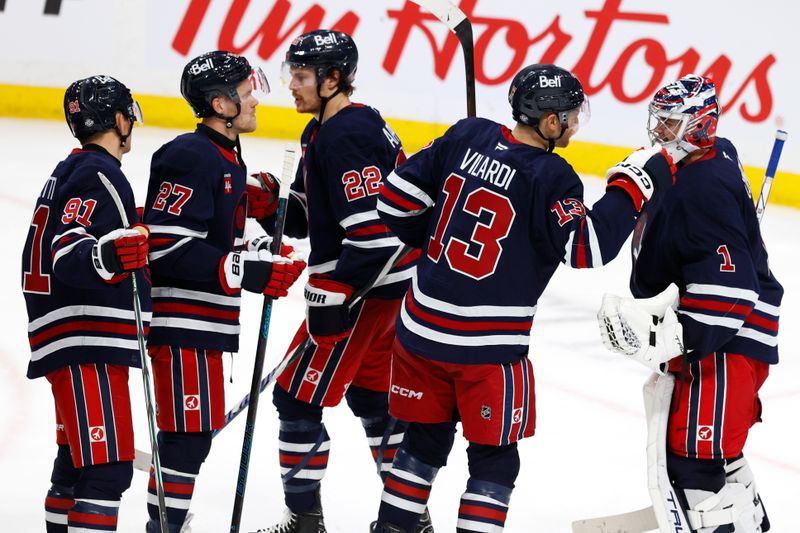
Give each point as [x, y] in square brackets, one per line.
[328, 313]
[645, 172]
[121, 251]
[265, 241]
[262, 195]
[646, 329]
[259, 272]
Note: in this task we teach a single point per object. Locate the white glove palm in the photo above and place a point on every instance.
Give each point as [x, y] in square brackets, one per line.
[646, 330]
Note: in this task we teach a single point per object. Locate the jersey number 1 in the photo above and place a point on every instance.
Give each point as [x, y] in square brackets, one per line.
[34, 280]
[486, 236]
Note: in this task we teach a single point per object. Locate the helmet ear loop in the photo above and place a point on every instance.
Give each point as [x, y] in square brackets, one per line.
[123, 139]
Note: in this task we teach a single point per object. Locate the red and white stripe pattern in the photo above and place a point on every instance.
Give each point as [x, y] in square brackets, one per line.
[64, 243]
[407, 487]
[303, 457]
[93, 404]
[83, 326]
[178, 490]
[583, 247]
[88, 516]
[365, 230]
[470, 326]
[483, 513]
[401, 198]
[165, 240]
[195, 311]
[56, 506]
[189, 388]
[717, 305]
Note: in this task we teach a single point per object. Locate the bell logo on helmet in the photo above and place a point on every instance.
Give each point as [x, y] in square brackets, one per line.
[202, 66]
[322, 40]
[544, 81]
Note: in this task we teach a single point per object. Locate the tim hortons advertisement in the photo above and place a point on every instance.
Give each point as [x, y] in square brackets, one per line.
[411, 67]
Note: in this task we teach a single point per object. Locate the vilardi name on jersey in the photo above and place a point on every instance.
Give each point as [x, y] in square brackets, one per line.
[74, 315]
[196, 207]
[515, 214]
[705, 237]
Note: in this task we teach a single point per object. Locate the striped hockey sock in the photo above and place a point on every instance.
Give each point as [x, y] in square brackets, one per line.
[56, 506]
[406, 491]
[87, 516]
[303, 447]
[178, 490]
[384, 435]
[483, 507]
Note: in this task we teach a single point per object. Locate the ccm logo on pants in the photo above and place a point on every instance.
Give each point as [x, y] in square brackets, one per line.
[402, 391]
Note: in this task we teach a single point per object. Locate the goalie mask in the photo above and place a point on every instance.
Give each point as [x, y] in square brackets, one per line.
[684, 114]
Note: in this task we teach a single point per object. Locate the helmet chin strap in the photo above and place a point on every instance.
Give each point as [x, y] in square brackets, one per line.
[123, 139]
[551, 141]
[324, 100]
[229, 120]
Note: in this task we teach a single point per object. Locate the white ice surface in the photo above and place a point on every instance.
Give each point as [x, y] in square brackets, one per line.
[586, 459]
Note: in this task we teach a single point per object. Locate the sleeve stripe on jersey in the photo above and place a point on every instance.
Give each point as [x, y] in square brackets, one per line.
[463, 325]
[64, 250]
[768, 309]
[717, 305]
[722, 290]
[198, 325]
[185, 294]
[389, 210]
[323, 268]
[460, 340]
[407, 205]
[769, 340]
[472, 311]
[359, 218]
[189, 309]
[369, 230]
[726, 322]
[594, 244]
[762, 322]
[374, 243]
[177, 230]
[161, 253]
[409, 188]
[73, 231]
[84, 310]
[394, 277]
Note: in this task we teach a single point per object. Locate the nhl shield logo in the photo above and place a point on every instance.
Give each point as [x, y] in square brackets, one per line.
[191, 402]
[705, 433]
[312, 376]
[97, 433]
[486, 412]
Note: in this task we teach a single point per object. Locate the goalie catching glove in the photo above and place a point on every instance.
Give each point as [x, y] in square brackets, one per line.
[645, 330]
[262, 195]
[260, 272]
[328, 312]
[121, 251]
[643, 173]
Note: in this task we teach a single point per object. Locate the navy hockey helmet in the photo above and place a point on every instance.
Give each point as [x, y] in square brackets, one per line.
[324, 51]
[684, 113]
[214, 74]
[91, 105]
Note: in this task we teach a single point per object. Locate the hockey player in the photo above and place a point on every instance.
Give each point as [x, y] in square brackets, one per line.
[700, 266]
[76, 277]
[197, 205]
[347, 150]
[495, 212]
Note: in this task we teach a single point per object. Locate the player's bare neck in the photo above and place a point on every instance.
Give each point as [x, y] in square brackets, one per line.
[219, 125]
[109, 141]
[334, 105]
[527, 135]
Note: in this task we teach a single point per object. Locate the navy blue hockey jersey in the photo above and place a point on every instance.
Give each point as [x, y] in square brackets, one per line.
[494, 217]
[196, 208]
[74, 315]
[334, 194]
[704, 237]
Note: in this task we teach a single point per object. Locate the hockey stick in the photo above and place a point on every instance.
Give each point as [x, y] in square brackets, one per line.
[261, 348]
[148, 393]
[457, 21]
[645, 519]
[142, 460]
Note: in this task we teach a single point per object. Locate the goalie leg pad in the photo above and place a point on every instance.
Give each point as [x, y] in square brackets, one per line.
[723, 511]
[738, 471]
[669, 512]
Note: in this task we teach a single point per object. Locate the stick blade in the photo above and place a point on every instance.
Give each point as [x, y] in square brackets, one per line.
[448, 13]
[632, 522]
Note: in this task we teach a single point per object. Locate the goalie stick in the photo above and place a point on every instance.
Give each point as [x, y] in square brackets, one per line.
[148, 393]
[261, 347]
[645, 519]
